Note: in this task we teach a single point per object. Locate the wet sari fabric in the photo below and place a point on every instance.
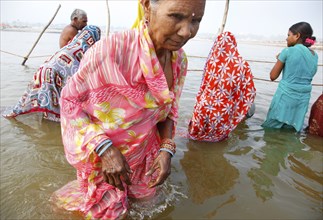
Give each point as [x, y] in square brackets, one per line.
[119, 93]
[44, 90]
[226, 93]
[315, 121]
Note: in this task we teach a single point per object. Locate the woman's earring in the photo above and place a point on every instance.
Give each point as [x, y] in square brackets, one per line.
[146, 21]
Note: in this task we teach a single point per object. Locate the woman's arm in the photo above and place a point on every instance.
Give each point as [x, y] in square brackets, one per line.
[276, 70]
[163, 161]
[166, 128]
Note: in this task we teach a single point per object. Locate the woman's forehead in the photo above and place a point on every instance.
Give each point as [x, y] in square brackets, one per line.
[184, 6]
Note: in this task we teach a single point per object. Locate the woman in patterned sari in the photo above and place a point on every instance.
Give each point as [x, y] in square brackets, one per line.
[43, 92]
[226, 94]
[119, 111]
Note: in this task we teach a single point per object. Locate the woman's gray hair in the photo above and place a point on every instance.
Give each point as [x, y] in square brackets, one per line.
[78, 13]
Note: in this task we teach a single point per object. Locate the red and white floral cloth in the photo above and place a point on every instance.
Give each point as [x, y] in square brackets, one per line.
[315, 121]
[226, 93]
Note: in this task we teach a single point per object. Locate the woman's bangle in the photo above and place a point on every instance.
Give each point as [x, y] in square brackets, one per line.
[168, 145]
[103, 147]
[165, 149]
[168, 141]
[97, 149]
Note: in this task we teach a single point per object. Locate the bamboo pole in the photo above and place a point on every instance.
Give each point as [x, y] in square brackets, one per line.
[108, 18]
[26, 57]
[224, 20]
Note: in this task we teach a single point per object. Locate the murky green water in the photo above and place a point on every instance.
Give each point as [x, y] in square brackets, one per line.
[255, 174]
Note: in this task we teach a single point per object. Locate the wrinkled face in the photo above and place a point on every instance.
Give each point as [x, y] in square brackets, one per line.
[292, 39]
[173, 22]
[81, 22]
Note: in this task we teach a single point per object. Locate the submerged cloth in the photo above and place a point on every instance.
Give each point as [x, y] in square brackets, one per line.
[315, 122]
[290, 102]
[226, 93]
[119, 93]
[43, 92]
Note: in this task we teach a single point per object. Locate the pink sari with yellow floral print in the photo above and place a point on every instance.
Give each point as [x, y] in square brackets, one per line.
[119, 93]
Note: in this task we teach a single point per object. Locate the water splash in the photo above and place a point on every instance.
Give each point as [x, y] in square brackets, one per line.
[166, 195]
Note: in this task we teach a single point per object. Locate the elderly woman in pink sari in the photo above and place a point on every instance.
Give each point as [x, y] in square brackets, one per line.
[119, 111]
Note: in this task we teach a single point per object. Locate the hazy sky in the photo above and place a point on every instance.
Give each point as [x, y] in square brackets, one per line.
[259, 17]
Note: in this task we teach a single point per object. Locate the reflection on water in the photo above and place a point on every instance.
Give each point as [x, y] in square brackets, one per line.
[32, 165]
[283, 150]
[284, 169]
[208, 172]
[254, 174]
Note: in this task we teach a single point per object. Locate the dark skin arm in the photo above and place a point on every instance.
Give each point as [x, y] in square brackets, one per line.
[116, 170]
[162, 163]
[276, 70]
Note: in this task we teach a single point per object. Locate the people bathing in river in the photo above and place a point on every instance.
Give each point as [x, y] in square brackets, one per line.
[119, 111]
[226, 95]
[44, 90]
[298, 64]
[78, 22]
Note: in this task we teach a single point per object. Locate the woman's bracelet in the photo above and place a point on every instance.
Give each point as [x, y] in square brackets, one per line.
[168, 145]
[165, 149]
[103, 147]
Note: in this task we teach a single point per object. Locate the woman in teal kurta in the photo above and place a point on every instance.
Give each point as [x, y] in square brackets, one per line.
[298, 63]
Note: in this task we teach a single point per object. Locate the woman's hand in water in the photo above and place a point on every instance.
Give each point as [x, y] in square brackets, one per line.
[162, 164]
[115, 168]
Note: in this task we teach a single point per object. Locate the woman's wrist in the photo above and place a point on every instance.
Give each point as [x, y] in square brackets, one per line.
[168, 145]
[104, 146]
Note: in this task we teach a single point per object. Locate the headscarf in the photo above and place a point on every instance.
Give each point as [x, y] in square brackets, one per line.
[140, 15]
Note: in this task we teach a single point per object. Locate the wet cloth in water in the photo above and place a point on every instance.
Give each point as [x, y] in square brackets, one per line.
[44, 90]
[315, 121]
[122, 99]
[226, 93]
[290, 102]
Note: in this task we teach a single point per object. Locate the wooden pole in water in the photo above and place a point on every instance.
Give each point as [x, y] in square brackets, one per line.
[26, 57]
[224, 20]
[108, 17]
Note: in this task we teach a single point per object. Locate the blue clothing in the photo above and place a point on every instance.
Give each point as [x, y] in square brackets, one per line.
[44, 90]
[290, 102]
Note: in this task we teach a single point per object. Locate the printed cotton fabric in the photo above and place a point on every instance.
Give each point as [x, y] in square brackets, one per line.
[226, 93]
[43, 92]
[315, 122]
[119, 93]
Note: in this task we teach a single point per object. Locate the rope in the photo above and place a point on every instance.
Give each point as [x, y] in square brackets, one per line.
[192, 56]
[267, 80]
[253, 61]
[12, 54]
[190, 70]
[23, 56]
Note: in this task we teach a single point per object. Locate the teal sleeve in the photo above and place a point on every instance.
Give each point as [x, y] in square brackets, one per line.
[283, 55]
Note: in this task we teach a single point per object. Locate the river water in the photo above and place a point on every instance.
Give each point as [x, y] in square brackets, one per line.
[255, 174]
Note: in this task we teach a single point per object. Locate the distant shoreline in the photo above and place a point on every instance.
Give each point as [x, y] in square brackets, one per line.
[318, 45]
